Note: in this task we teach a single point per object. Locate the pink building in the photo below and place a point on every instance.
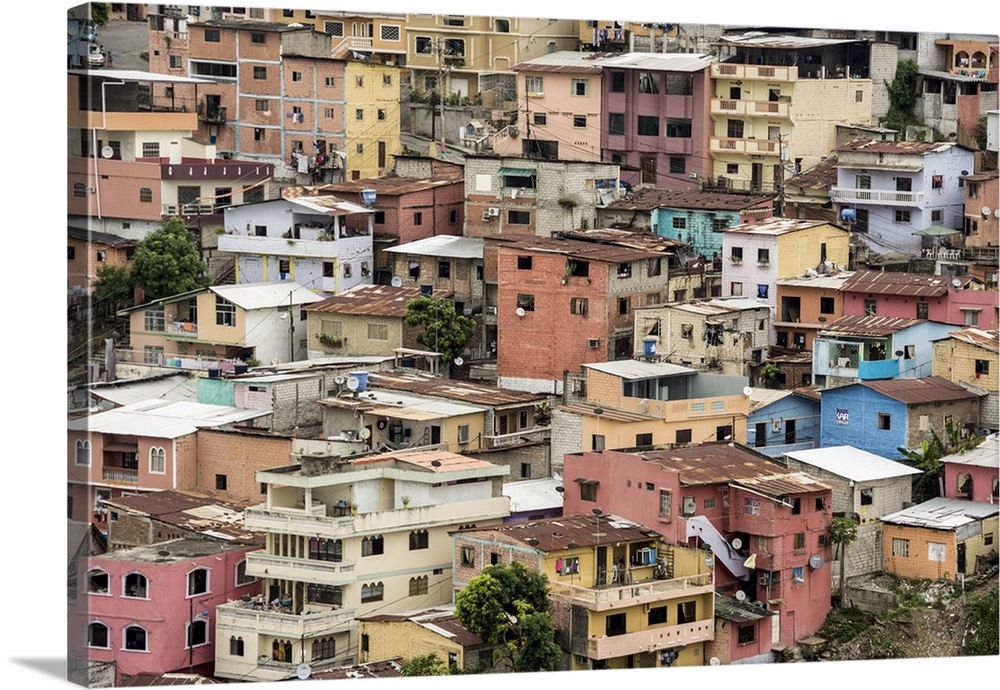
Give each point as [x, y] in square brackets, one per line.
[975, 474]
[766, 525]
[917, 296]
[152, 608]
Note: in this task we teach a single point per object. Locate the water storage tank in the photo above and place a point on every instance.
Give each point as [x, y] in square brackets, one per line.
[649, 346]
[368, 196]
[362, 377]
[848, 215]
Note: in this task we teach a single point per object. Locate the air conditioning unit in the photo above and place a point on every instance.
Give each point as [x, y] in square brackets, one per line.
[688, 506]
[486, 215]
[493, 211]
[593, 343]
[764, 579]
[490, 310]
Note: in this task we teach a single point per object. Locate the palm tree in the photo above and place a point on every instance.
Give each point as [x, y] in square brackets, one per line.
[843, 533]
[928, 459]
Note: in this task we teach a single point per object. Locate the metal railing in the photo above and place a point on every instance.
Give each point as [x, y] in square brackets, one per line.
[884, 196]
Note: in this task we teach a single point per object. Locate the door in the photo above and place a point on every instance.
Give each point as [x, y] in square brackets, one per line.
[602, 570]
[381, 154]
[648, 165]
[213, 105]
[756, 174]
[735, 92]
[223, 198]
[760, 435]
[789, 432]
[435, 434]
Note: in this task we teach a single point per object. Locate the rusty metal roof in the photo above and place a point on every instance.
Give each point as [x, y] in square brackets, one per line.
[561, 62]
[452, 389]
[614, 414]
[918, 148]
[778, 226]
[201, 514]
[389, 668]
[724, 463]
[623, 238]
[390, 185]
[371, 300]
[819, 177]
[649, 198]
[897, 283]
[933, 389]
[578, 249]
[151, 680]
[557, 533]
[868, 326]
[440, 620]
[989, 340]
[425, 459]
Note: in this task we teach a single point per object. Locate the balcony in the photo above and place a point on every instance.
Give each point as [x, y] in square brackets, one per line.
[754, 147]
[170, 210]
[212, 116]
[879, 369]
[876, 196]
[604, 598]
[773, 109]
[261, 564]
[318, 249]
[253, 618]
[120, 475]
[182, 328]
[650, 640]
[942, 254]
[724, 70]
[536, 435]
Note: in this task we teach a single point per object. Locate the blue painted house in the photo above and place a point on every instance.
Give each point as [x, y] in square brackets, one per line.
[783, 421]
[881, 416]
[871, 348]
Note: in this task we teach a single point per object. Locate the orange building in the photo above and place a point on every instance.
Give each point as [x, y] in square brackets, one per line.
[806, 304]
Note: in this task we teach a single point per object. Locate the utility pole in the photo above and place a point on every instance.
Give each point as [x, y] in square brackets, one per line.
[782, 157]
[438, 50]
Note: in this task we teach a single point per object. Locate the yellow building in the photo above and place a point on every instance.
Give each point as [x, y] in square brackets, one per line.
[609, 35]
[372, 92]
[969, 356]
[431, 631]
[619, 597]
[380, 36]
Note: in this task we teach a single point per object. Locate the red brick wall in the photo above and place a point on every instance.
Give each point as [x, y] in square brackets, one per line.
[238, 456]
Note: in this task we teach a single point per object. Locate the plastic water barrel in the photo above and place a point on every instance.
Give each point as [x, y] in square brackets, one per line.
[362, 377]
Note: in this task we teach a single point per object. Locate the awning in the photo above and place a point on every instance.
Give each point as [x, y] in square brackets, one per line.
[586, 482]
[517, 172]
[936, 231]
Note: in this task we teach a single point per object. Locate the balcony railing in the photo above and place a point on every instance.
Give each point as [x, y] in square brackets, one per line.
[725, 70]
[260, 564]
[188, 328]
[216, 115]
[649, 640]
[882, 196]
[878, 369]
[759, 147]
[351, 43]
[188, 209]
[600, 599]
[120, 474]
[249, 616]
[535, 435]
[731, 106]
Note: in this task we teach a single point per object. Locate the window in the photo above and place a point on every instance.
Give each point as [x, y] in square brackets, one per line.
[970, 317]
[624, 304]
[746, 634]
[937, 181]
[799, 541]
[579, 121]
[455, 47]
[982, 367]
[372, 592]
[798, 575]
[649, 82]
[736, 254]
[359, 81]
[152, 354]
[588, 489]
[751, 506]
[296, 76]
[653, 267]
[625, 270]
[579, 87]
[97, 636]
[734, 129]
[682, 436]
[539, 119]
[826, 305]
[82, 453]
[153, 319]
[197, 633]
[378, 331]
[281, 650]
[901, 548]
[870, 307]
[197, 582]
[883, 421]
[867, 496]
[326, 550]
[736, 289]
[525, 470]
[212, 36]
[710, 503]
[330, 81]
[900, 216]
[348, 271]
[680, 224]
[225, 311]
[678, 165]
[380, 114]
[648, 125]
[241, 574]
[259, 72]
[135, 639]
[533, 85]
[324, 648]
[221, 482]
[389, 32]
[325, 594]
[665, 500]
[616, 123]
[157, 460]
[258, 135]
[904, 184]
[526, 301]
[79, 189]
[333, 28]
[444, 269]
[418, 540]
[468, 556]
[678, 129]
[686, 612]
[578, 306]
[644, 439]
[761, 291]
[98, 582]
[519, 217]
[524, 263]
[763, 256]
[359, 148]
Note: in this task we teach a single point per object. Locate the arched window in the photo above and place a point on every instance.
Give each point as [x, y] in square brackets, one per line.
[979, 59]
[372, 546]
[83, 453]
[235, 646]
[79, 189]
[241, 574]
[418, 539]
[964, 483]
[146, 195]
[325, 648]
[135, 586]
[98, 582]
[157, 460]
[371, 592]
[97, 636]
[281, 650]
[197, 633]
[326, 549]
[197, 582]
[961, 59]
[135, 639]
[418, 585]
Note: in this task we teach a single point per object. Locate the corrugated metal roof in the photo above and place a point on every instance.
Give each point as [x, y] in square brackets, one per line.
[561, 61]
[636, 369]
[95, 237]
[612, 413]
[949, 76]
[175, 387]
[820, 177]
[172, 551]
[893, 283]
[649, 198]
[389, 668]
[623, 238]
[534, 494]
[162, 418]
[402, 405]
[822, 281]
[373, 300]
[665, 62]
[578, 249]
[864, 326]
[762, 397]
[778, 226]
[986, 454]
[933, 389]
[853, 463]
[202, 514]
[447, 246]
[918, 148]
[943, 514]
[137, 76]
[452, 389]
[759, 39]
[988, 340]
[440, 620]
[329, 205]
[715, 307]
[446, 461]
[154, 680]
[266, 295]
[739, 611]
[557, 533]
[390, 185]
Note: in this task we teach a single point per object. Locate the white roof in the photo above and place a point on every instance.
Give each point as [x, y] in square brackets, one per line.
[672, 62]
[413, 407]
[174, 387]
[162, 418]
[329, 205]
[565, 58]
[719, 306]
[634, 369]
[266, 295]
[943, 513]
[533, 494]
[449, 246]
[986, 454]
[138, 75]
[853, 463]
[830, 282]
[762, 397]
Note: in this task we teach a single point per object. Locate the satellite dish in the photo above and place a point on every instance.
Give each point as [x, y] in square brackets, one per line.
[366, 433]
[303, 671]
[353, 382]
[996, 212]
[396, 281]
[714, 661]
[816, 562]
[107, 152]
[709, 561]
[741, 595]
[519, 311]
[898, 353]
[737, 543]
[339, 380]
[747, 390]
[956, 282]
[987, 210]
[458, 361]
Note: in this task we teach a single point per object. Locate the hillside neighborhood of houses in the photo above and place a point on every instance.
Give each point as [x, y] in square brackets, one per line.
[698, 325]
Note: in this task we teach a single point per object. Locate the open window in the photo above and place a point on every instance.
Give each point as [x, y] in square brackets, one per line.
[135, 586]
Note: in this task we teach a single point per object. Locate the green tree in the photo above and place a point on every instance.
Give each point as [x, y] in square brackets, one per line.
[114, 290]
[167, 262]
[927, 459]
[843, 533]
[99, 13]
[444, 330]
[509, 606]
[902, 96]
[425, 665]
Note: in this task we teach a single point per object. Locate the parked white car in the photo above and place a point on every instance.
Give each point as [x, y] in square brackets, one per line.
[95, 56]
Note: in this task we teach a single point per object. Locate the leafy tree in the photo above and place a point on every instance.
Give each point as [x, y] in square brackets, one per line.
[509, 606]
[99, 13]
[769, 374]
[902, 96]
[928, 459]
[167, 262]
[843, 533]
[113, 290]
[444, 330]
[425, 665]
